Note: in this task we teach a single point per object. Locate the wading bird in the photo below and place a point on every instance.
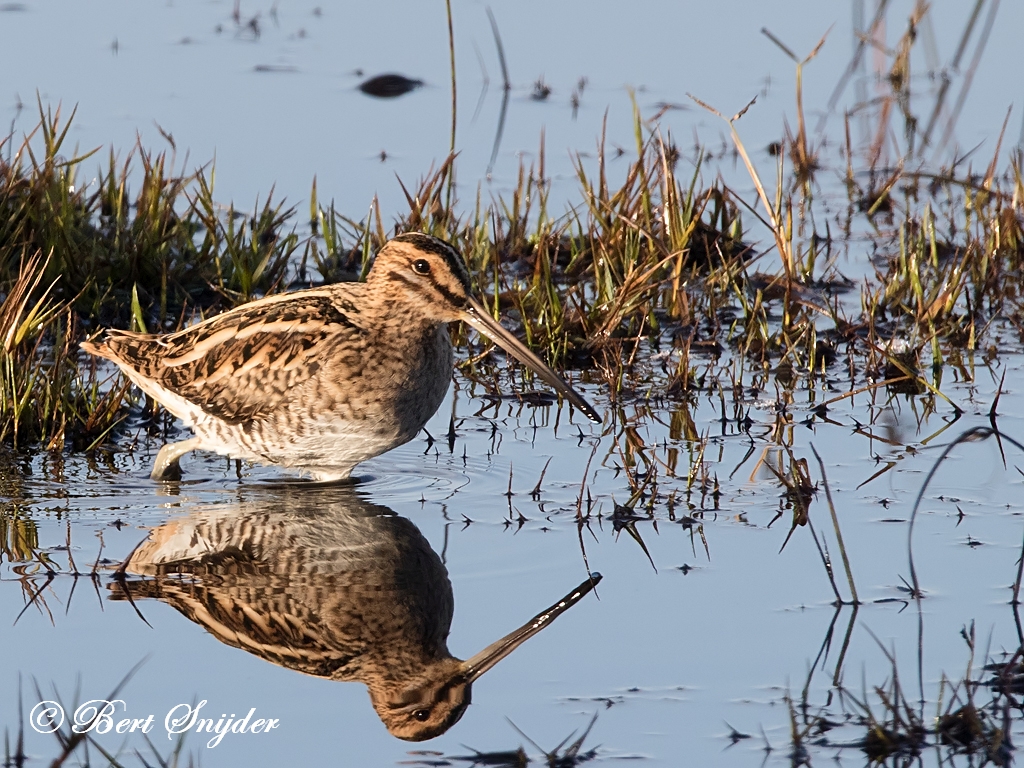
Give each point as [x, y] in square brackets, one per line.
[319, 379]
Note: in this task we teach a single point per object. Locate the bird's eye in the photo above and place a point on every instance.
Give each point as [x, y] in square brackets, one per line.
[421, 267]
[421, 714]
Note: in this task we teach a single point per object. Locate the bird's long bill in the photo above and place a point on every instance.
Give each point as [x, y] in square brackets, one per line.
[476, 316]
[495, 652]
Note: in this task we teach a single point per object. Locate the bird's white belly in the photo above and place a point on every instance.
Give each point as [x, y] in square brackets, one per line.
[326, 451]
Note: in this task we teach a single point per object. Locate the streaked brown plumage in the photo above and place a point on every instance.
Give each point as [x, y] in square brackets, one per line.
[320, 379]
[326, 583]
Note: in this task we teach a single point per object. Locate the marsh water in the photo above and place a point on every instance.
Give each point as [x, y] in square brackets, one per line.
[714, 633]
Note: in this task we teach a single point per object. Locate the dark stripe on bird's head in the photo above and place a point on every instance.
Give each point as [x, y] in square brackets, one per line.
[437, 246]
[451, 298]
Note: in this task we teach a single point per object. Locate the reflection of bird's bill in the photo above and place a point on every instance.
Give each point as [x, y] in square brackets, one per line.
[495, 652]
[476, 316]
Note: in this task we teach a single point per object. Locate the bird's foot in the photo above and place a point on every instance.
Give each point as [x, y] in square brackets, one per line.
[166, 467]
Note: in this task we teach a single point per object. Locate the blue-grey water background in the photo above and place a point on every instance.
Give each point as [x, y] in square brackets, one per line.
[671, 659]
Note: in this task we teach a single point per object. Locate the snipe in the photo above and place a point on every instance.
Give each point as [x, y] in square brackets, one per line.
[319, 379]
[326, 583]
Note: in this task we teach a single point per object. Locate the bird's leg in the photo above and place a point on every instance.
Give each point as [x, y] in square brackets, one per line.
[166, 465]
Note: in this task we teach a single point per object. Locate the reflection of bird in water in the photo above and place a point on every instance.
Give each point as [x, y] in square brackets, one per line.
[321, 379]
[329, 584]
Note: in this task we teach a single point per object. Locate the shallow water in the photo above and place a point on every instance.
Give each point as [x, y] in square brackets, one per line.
[666, 657]
[710, 629]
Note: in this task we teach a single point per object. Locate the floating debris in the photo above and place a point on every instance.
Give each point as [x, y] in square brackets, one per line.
[389, 86]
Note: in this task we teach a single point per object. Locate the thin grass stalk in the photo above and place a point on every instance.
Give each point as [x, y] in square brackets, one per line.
[451, 57]
[835, 525]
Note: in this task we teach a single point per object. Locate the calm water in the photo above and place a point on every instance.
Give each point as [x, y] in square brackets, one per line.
[279, 109]
[666, 657]
[671, 656]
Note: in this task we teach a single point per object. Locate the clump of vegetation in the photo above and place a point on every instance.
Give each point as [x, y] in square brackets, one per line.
[167, 242]
[44, 395]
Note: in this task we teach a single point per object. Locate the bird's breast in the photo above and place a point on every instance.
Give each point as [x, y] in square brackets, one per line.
[391, 384]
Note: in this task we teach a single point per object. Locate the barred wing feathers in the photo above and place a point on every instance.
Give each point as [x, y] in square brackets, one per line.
[241, 365]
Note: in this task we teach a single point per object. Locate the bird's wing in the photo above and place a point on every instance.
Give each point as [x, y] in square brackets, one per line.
[240, 366]
[277, 621]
